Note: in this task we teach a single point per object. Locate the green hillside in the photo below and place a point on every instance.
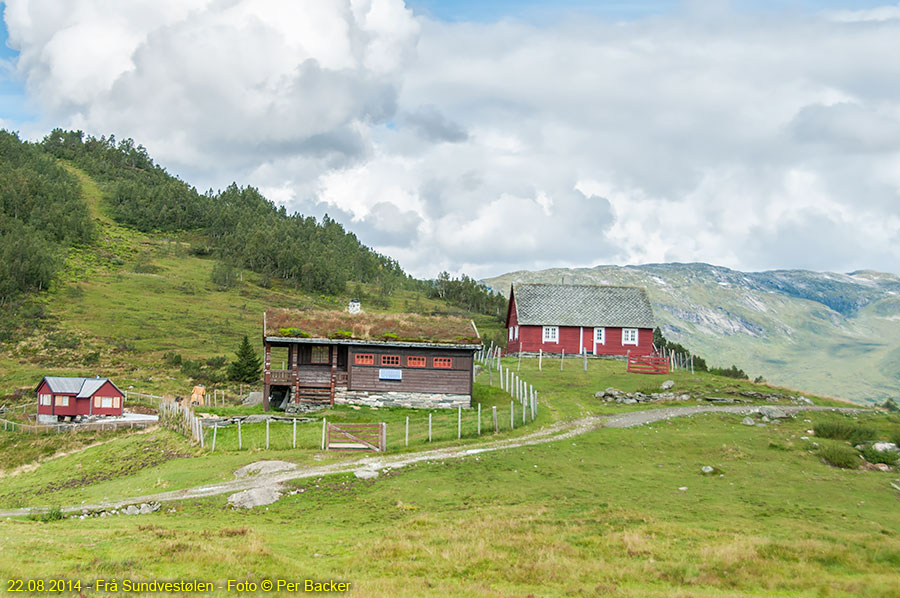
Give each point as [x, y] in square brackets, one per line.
[831, 334]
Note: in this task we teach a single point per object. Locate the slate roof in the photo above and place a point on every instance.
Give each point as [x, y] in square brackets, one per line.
[81, 387]
[582, 305]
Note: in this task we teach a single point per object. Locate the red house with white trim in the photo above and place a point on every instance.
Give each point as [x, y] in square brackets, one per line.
[69, 397]
[595, 319]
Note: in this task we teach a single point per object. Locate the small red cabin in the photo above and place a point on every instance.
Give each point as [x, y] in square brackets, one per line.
[69, 397]
[592, 319]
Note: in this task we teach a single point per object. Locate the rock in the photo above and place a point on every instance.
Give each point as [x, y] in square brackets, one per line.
[883, 447]
[255, 497]
[366, 474]
[256, 418]
[773, 412]
[264, 467]
[765, 419]
[131, 510]
[707, 469]
[684, 397]
[146, 509]
[612, 391]
[683, 488]
[882, 467]
[667, 385]
[748, 421]
[254, 398]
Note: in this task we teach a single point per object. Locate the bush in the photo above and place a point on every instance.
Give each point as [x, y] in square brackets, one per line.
[890, 405]
[731, 372]
[873, 456]
[61, 340]
[92, 358]
[172, 358]
[839, 454]
[845, 430]
[217, 362]
[53, 514]
[895, 436]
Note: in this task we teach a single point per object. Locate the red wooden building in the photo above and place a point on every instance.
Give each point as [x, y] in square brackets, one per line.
[69, 397]
[595, 319]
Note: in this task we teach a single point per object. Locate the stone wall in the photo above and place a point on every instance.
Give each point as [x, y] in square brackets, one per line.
[415, 400]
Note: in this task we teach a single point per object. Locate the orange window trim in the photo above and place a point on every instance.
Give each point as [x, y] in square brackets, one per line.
[416, 362]
[443, 362]
[390, 360]
[364, 359]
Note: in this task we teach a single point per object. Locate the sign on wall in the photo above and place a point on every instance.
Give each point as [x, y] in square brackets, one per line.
[390, 374]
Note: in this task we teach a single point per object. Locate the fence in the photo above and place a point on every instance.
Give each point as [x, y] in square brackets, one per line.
[510, 381]
[647, 364]
[11, 426]
[356, 437]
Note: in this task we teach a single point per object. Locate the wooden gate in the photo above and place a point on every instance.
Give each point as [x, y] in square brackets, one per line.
[647, 364]
[355, 437]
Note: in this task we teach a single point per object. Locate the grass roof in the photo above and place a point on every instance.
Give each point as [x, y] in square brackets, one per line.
[370, 327]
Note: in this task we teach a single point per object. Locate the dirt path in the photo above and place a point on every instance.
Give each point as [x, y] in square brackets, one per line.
[558, 431]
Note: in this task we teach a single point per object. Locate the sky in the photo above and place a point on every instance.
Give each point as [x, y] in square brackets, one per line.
[486, 137]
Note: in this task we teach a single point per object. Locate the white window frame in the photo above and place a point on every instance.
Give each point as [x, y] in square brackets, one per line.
[510, 333]
[46, 399]
[626, 332]
[550, 334]
[599, 336]
[62, 401]
[106, 403]
[517, 332]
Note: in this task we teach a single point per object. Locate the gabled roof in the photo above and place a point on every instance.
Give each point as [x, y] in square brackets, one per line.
[581, 305]
[81, 387]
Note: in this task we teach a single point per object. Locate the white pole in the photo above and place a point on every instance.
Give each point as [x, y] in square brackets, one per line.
[458, 423]
[429, 427]
[407, 430]
[267, 434]
[323, 433]
[512, 415]
[295, 433]
[215, 429]
[240, 440]
[540, 360]
[479, 419]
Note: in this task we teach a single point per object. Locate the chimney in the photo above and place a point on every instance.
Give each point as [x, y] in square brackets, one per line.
[354, 307]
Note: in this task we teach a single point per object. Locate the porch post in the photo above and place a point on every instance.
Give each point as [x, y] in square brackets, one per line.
[267, 377]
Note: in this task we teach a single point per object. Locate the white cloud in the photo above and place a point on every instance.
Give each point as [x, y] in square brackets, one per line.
[752, 140]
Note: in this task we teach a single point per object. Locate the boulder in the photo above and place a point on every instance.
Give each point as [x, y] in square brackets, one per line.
[146, 509]
[131, 510]
[667, 385]
[264, 467]
[773, 412]
[366, 474]
[748, 421]
[883, 447]
[254, 398]
[255, 497]
[707, 469]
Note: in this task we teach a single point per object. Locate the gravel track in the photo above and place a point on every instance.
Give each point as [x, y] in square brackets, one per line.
[558, 431]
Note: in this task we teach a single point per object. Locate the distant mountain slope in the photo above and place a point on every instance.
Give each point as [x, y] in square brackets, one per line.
[835, 334]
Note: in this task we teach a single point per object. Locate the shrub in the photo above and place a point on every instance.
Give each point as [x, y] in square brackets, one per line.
[217, 362]
[294, 332]
[91, 358]
[172, 358]
[895, 436]
[873, 456]
[53, 514]
[341, 334]
[61, 340]
[890, 405]
[845, 430]
[839, 454]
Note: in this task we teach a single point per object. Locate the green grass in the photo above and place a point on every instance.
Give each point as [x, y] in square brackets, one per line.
[839, 454]
[597, 514]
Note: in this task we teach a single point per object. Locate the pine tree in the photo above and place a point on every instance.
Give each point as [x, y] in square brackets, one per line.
[246, 368]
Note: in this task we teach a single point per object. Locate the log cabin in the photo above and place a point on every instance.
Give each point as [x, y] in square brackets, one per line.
[73, 397]
[592, 319]
[334, 357]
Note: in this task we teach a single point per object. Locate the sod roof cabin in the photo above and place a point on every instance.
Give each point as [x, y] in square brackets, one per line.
[592, 319]
[334, 357]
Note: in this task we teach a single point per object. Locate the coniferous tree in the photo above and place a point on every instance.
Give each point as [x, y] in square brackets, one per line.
[246, 368]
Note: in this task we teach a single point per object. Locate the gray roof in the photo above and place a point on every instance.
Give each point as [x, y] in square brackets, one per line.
[82, 387]
[582, 305]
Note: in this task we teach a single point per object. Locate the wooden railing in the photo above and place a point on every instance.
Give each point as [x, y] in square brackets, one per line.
[647, 364]
[282, 376]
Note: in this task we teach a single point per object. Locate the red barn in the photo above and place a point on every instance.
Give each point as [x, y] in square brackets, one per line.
[78, 396]
[598, 320]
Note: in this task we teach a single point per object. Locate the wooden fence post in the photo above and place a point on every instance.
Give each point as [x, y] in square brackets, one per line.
[240, 440]
[294, 435]
[458, 423]
[540, 360]
[562, 359]
[267, 434]
[383, 436]
[584, 354]
[323, 433]
[429, 427]
[215, 429]
[479, 419]
[512, 415]
[519, 365]
[406, 442]
[496, 427]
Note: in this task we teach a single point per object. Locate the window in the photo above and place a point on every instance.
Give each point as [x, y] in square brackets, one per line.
[629, 336]
[45, 399]
[62, 401]
[416, 362]
[364, 359]
[390, 360]
[116, 402]
[319, 354]
[551, 334]
[510, 333]
[444, 363]
[600, 336]
[517, 333]
[106, 402]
